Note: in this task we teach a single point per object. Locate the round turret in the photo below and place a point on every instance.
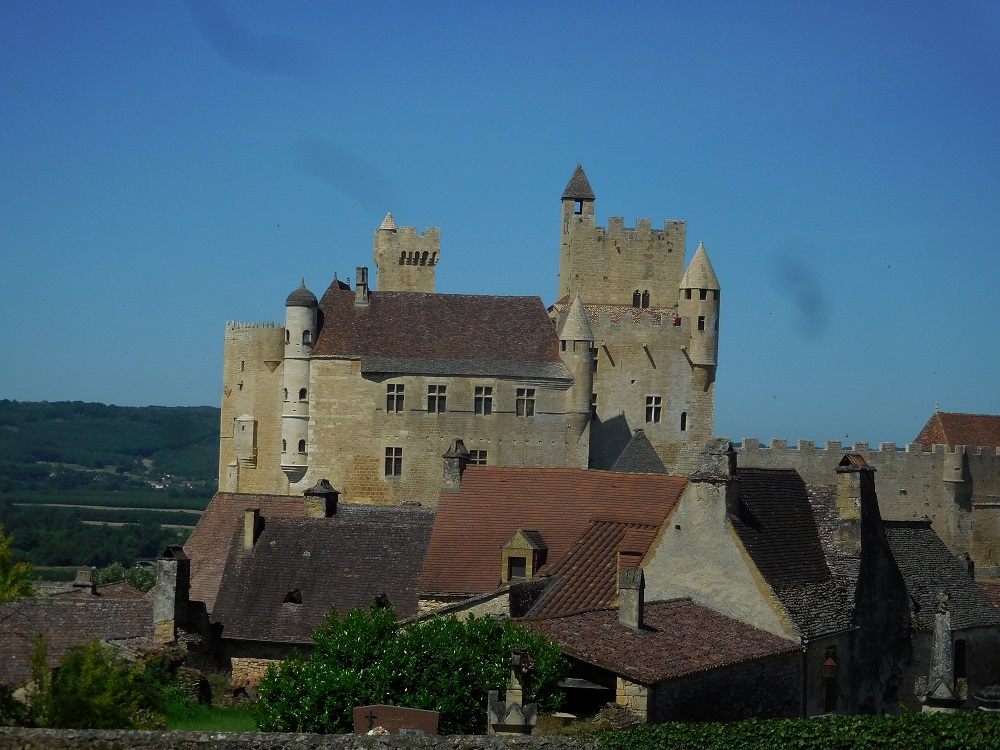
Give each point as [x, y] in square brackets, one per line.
[301, 310]
[699, 302]
[302, 297]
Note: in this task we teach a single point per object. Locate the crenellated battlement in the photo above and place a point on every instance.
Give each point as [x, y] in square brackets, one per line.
[239, 325]
[837, 446]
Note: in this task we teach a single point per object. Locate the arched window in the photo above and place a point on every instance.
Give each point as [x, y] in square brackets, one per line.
[636, 299]
[645, 298]
[402, 257]
[434, 258]
[288, 336]
[286, 394]
[307, 337]
[684, 421]
[302, 394]
[423, 259]
[302, 446]
[284, 446]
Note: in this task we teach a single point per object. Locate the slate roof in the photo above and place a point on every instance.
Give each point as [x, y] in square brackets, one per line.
[65, 622]
[492, 503]
[639, 457]
[992, 590]
[928, 566]
[678, 638]
[777, 527]
[446, 334]
[208, 544]
[344, 561]
[578, 188]
[954, 428]
[586, 577]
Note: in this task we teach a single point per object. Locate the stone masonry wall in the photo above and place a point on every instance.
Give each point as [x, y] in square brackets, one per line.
[350, 430]
[251, 381]
[54, 739]
[910, 485]
[250, 670]
[633, 696]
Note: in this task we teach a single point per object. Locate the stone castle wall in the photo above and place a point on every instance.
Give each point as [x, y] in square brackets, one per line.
[911, 484]
[251, 381]
[349, 419]
[406, 259]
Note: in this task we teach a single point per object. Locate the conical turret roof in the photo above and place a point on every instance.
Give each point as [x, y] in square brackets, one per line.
[301, 297]
[700, 274]
[578, 188]
[576, 327]
[388, 222]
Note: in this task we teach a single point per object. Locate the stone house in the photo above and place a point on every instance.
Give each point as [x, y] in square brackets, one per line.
[368, 386]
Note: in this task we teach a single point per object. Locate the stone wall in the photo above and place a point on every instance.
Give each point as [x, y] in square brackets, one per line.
[251, 386]
[248, 670]
[53, 739]
[633, 696]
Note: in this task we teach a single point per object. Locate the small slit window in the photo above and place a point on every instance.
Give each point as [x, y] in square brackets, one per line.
[636, 299]
[684, 421]
[645, 298]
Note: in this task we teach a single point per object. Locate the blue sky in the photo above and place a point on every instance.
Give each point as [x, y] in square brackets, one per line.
[167, 167]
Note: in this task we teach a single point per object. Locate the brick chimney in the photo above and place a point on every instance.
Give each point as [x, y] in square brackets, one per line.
[630, 590]
[251, 528]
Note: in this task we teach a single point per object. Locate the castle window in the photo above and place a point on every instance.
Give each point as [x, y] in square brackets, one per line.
[302, 446]
[701, 322]
[288, 336]
[393, 462]
[477, 458]
[593, 354]
[436, 399]
[687, 294]
[423, 259]
[645, 298]
[394, 397]
[959, 660]
[525, 402]
[402, 257]
[578, 207]
[286, 394]
[684, 421]
[593, 406]
[653, 408]
[484, 399]
[702, 294]
[715, 294]
[302, 394]
[562, 345]
[243, 365]
[284, 446]
[307, 338]
[434, 258]
[636, 299]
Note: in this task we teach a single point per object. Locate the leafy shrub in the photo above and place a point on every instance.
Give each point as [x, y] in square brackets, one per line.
[916, 731]
[443, 664]
[15, 578]
[141, 578]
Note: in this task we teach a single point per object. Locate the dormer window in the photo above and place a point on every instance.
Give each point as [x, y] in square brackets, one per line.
[522, 556]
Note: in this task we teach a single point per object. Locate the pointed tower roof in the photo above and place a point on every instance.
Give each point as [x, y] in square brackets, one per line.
[578, 188]
[700, 274]
[576, 327]
[388, 222]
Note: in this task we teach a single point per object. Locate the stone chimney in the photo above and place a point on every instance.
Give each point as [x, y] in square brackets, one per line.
[320, 500]
[171, 593]
[455, 461]
[850, 471]
[361, 286]
[252, 526]
[717, 470]
[85, 580]
[630, 590]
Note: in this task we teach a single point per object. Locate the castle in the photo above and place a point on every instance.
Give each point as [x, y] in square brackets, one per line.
[369, 387]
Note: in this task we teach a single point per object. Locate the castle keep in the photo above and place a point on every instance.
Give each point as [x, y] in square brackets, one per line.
[371, 386]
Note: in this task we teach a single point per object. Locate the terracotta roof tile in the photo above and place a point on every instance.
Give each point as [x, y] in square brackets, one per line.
[397, 326]
[65, 622]
[209, 542]
[678, 638]
[345, 561]
[955, 428]
[494, 502]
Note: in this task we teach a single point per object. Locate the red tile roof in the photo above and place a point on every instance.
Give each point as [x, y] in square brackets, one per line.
[493, 502]
[954, 428]
[436, 326]
[587, 577]
[209, 543]
[678, 638]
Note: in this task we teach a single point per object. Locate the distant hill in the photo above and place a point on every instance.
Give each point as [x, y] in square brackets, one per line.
[182, 441]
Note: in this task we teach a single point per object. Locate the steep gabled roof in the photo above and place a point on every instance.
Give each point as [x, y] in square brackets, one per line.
[578, 188]
[639, 457]
[954, 428]
[447, 334]
[587, 576]
[65, 622]
[208, 544]
[301, 567]
[777, 527]
[493, 502]
[679, 638]
[928, 567]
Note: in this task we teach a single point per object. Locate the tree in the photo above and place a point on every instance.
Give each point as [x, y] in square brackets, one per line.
[142, 578]
[443, 664]
[15, 578]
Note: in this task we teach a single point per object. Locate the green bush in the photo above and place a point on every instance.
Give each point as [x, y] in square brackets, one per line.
[142, 578]
[915, 731]
[443, 664]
